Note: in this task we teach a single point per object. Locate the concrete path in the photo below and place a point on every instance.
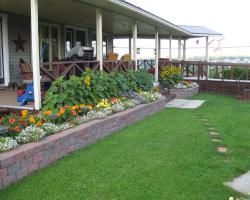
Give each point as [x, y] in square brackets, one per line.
[241, 184]
[184, 103]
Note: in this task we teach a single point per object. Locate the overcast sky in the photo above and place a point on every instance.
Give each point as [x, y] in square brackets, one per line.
[229, 17]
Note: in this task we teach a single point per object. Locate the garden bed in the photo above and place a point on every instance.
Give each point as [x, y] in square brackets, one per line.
[184, 92]
[30, 157]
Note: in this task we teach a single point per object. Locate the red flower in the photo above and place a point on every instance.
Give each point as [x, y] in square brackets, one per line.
[12, 120]
[1, 120]
[73, 112]
[24, 123]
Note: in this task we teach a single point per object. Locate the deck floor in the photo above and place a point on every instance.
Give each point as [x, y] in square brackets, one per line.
[8, 99]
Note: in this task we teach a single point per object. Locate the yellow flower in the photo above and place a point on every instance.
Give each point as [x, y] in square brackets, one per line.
[87, 80]
[24, 113]
[73, 108]
[32, 120]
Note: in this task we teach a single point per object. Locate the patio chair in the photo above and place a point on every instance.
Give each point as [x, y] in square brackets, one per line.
[27, 95]
[125, 60]
[111, 59]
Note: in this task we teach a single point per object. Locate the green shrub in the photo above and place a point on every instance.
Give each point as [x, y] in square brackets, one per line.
[237, 73]
[144, 80]
[91, 87]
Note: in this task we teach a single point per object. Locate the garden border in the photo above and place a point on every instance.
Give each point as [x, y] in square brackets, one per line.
[185, 92]
[27, 158]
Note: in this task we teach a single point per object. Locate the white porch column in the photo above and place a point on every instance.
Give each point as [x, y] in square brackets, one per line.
[134, 57]
[35, 53]
[156, 55]
[99, 51]
[207, 50]
[170, 48]
[179, 49]
[184, 49]
[129, 45]
[159, 47]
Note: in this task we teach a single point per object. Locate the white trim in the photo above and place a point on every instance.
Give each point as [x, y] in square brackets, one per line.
[6, 49]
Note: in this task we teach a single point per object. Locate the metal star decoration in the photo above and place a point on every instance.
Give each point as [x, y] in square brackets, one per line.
[19, 43]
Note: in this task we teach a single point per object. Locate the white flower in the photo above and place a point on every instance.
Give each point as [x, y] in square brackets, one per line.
[7, 144]
[65, 126]
[50, 128]
[30, 134]
[118, 107]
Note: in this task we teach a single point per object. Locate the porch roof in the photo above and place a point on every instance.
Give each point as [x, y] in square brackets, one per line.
[118, 16]
[200, 31]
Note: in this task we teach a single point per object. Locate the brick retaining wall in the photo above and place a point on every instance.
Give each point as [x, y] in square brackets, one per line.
[28, 158]
[184, 93]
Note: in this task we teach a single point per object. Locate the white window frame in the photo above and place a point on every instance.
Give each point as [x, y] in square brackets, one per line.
[75, 28]
[50, 26]
[5, 44]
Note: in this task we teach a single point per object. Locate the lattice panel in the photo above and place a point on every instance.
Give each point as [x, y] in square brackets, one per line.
[223, 87]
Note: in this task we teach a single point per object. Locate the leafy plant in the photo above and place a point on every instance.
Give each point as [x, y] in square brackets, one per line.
[144, 80]
[170, 76]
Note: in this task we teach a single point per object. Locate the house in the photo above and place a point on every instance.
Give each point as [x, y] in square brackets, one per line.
[43, 31]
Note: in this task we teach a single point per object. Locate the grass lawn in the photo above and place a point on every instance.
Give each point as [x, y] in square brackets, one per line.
[167, 156]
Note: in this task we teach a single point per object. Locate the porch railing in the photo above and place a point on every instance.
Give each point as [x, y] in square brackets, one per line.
[53, 70]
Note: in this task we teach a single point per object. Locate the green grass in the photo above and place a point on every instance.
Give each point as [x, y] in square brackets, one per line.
[167, 156]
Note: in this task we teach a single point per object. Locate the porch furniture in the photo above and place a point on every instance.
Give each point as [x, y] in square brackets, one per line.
[126, 57]
[112, 56]
[28, 94]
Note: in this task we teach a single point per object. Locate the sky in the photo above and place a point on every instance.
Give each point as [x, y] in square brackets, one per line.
[228, 17]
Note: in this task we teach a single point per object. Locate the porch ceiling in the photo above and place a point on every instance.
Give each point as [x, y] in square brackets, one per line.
[82, 13]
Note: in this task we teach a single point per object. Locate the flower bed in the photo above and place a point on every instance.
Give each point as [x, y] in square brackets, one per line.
[29, 157]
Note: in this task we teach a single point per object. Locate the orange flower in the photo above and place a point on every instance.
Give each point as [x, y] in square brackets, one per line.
[62, 111]
[24, 113]
[58, 114]
[17, 129]
[47, 112]
[32, 120]
[12, 120]
[39, 123]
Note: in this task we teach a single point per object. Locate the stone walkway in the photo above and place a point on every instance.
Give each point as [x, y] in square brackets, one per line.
[184, 103]
[241, 184]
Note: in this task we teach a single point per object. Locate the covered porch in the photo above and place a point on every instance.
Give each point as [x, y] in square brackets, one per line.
[42, 32]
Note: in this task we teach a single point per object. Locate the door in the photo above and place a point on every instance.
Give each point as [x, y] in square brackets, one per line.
[1, 54]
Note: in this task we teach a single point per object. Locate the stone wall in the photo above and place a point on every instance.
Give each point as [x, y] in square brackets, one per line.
[28, 158]
[184, 93]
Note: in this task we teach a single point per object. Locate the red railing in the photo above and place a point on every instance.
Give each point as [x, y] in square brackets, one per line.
[54, 70]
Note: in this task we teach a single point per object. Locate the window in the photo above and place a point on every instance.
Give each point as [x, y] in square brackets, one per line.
[74, 37]
[49, 40]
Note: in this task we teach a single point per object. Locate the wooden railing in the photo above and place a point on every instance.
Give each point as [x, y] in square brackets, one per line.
[214, 70]
[53, 70]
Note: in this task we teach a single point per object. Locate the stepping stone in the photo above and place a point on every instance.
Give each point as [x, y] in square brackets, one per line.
[241, 184]
[211, 129]
[204, 120]
[184, 103]
[216, 140]
[213, 133]
[222, 149]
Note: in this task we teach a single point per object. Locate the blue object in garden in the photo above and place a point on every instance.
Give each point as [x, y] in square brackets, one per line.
[27, 96]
